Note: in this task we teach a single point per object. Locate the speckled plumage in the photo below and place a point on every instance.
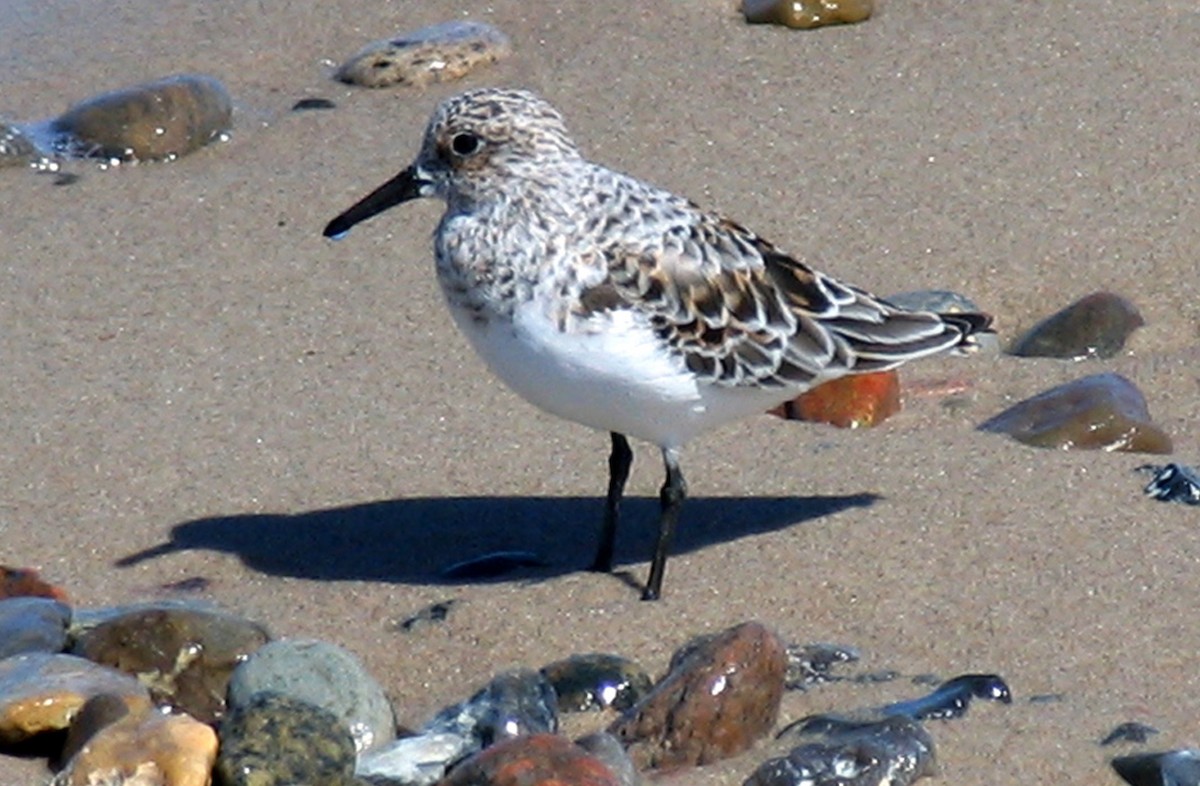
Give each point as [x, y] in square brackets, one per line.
[622, 306]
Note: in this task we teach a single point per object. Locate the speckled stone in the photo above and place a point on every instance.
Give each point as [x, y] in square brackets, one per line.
[806, 14]
[321, 674]
[534, 760]
[721, 695]
[891, 752]
[152, 121]
[33, 625]
[438, 53]
[278, 741]
[597, 681]
[1099, 412]
[42, 692]
[1095, 326]
[178, 749]
[185, 656]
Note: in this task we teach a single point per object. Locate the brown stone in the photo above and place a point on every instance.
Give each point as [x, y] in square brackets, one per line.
[1098, 412]
[532, 760]
[721, 695]
[855, 401]
[175, 749]
[438, 53]
[25, 582]
[41, 692]
[806, 14]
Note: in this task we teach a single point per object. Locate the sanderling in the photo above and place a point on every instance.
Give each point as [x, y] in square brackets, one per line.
[621, 306]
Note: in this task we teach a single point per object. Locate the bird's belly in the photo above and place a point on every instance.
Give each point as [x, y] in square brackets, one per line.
[614, 375]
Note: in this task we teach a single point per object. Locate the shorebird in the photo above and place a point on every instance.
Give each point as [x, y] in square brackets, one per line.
[615, 304]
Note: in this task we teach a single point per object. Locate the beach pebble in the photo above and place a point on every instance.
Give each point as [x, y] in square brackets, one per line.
[854, 401]
[42, 692]
[597, 681]
[321, 674]
[609, 750]
[277, 741]
[15, 147]
[26, 583]
[185, 656]
[890, 752]
[1173, 483]
[806, 14]
[513, 704]
[952, 698]
[425, 617]
[152, 121]
[809, 664]
[438, 53]
[1168, 768]
[1095, 326]
[721, 694]
[412, 761]
[174, 749]
[537, 759]
[33, 625]
[1130, 731]
[1102, 411]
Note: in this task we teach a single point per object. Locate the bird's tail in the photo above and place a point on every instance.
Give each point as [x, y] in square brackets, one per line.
[970, 325]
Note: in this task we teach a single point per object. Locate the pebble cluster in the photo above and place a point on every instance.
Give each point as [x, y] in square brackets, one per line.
[177, 694]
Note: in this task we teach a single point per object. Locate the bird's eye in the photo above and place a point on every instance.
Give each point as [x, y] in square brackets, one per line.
[466, 144]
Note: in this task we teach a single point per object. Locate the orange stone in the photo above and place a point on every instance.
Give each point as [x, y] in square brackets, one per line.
[25, 583]
[855, 401]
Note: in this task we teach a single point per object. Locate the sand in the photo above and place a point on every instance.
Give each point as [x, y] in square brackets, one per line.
[186, 360]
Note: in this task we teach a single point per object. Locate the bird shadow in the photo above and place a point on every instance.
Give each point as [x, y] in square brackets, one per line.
[411, 541]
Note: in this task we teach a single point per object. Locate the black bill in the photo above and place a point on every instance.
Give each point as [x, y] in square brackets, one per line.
[401, 188]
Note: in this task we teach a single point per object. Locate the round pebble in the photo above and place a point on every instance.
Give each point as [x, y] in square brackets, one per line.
[152, 121]
[323, 675]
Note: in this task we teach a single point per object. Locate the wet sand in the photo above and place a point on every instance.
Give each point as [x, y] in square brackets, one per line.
[188, 362]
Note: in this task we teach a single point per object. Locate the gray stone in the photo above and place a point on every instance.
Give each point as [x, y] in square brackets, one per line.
[33, 625]
[412, 761]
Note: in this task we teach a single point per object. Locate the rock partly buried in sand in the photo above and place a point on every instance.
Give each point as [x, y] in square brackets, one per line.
[15, 147]
[438, 53]
[806, 14]
[895, 751]
[543, 759]
[1095, 326]
[158, 120]
[1101, 411]
[855, 401]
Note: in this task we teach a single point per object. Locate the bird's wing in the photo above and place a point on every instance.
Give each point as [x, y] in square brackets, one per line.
[741, 312]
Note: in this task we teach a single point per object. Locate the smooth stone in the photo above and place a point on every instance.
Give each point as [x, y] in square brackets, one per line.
[323, 675]
[15, 147]
[806, 14]
[157, 120]
[185, 656]
[438, 53]
[1173, 483]
[809, 664]
[1096, 326]
[609, 750]
[277, 741]
[1168, 768]
[26, 583]
[412, 761]
[1099, 412]
[597, 681]
[42, 692]
[953, 697]
[853, 401]
[533, 760]
[722, 693]
[513, 704]
[1130, 731]
[176, 749]
[893, 752]
[32, 624]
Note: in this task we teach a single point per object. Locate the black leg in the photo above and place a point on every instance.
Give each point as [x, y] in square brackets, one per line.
[674, 491]
[619, 462]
